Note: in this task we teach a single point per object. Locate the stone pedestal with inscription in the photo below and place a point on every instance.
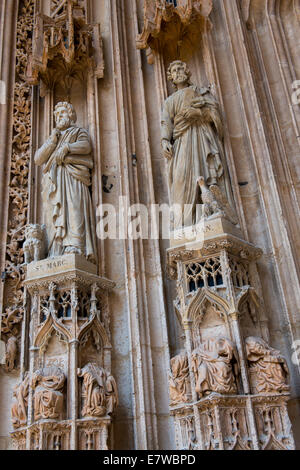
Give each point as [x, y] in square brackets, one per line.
[67, 396]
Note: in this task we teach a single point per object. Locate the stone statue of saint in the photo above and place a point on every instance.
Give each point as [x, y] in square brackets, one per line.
[99, 391]
[67, 205]
[48, 385]
[20, 404]
[268, 368]
[216, 370]
[179, 380]
[192, 141]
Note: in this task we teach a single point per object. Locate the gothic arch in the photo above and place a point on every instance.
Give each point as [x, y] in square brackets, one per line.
[50, 324]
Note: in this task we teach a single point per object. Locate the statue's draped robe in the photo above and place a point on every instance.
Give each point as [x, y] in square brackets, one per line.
[197, 151]
[178, 382]
[48, 397]
[93, 393]
[213, 373]
[19, 407]
[68, 211]
[268, 366]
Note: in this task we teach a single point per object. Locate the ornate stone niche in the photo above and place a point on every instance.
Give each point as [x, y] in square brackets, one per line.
[227, 390]
[68, 326]
[174, 27]
[65, 46]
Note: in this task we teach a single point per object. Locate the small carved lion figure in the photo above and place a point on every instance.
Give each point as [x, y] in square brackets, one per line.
[34, 246]
[268, 369]
[11, 353]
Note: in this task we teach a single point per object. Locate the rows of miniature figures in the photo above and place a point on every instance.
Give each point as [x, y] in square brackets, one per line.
[99, 394]
[215, 366]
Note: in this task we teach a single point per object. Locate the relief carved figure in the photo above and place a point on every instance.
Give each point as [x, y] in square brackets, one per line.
[48, 384]
[215, 203]
[268, 369]
[11, 353]
[99, 391]
[20, 403]
[34, 244]
[215, 368]
[192, 141]
[179, 380]
[112, 398]
[67, 205]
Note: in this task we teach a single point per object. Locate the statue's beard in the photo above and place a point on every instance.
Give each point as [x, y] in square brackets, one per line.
[180, 79]
[63, 124]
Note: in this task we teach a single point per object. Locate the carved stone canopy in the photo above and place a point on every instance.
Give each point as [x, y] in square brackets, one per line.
[174, 26]
[64, 46]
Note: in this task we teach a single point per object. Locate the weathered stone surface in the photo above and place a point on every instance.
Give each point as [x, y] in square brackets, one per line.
[250, 58]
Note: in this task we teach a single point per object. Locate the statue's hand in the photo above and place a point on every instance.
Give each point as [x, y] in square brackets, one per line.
[61, 153]
[168, 149]
[198, 102]
[192, 113]
[54, 136]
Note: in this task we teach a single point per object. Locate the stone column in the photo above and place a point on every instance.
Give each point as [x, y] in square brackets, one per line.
[73, 392]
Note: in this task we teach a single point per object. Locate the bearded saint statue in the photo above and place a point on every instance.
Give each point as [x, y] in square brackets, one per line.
[192, 141]
[67, 205]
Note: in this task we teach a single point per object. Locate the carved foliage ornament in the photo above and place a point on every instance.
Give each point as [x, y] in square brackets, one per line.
[18, 188]
[174, 25]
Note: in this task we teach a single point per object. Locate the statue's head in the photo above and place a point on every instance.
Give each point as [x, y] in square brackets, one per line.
[179, 73]
[256, 348]
[224, 348]
[65, 115]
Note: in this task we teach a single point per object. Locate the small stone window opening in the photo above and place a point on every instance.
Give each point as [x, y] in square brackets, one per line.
[207, 273]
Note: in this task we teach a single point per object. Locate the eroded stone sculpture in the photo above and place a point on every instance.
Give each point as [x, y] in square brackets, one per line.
[11, 353]
[48, 384]
[34, 243]
[268, 369]
[214, 202]
[99, 391]
[215, 368]
[192, 141]
[179, 380]
[20, 403]
[67, 205]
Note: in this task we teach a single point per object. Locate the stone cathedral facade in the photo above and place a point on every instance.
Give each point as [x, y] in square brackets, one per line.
[149, 212]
